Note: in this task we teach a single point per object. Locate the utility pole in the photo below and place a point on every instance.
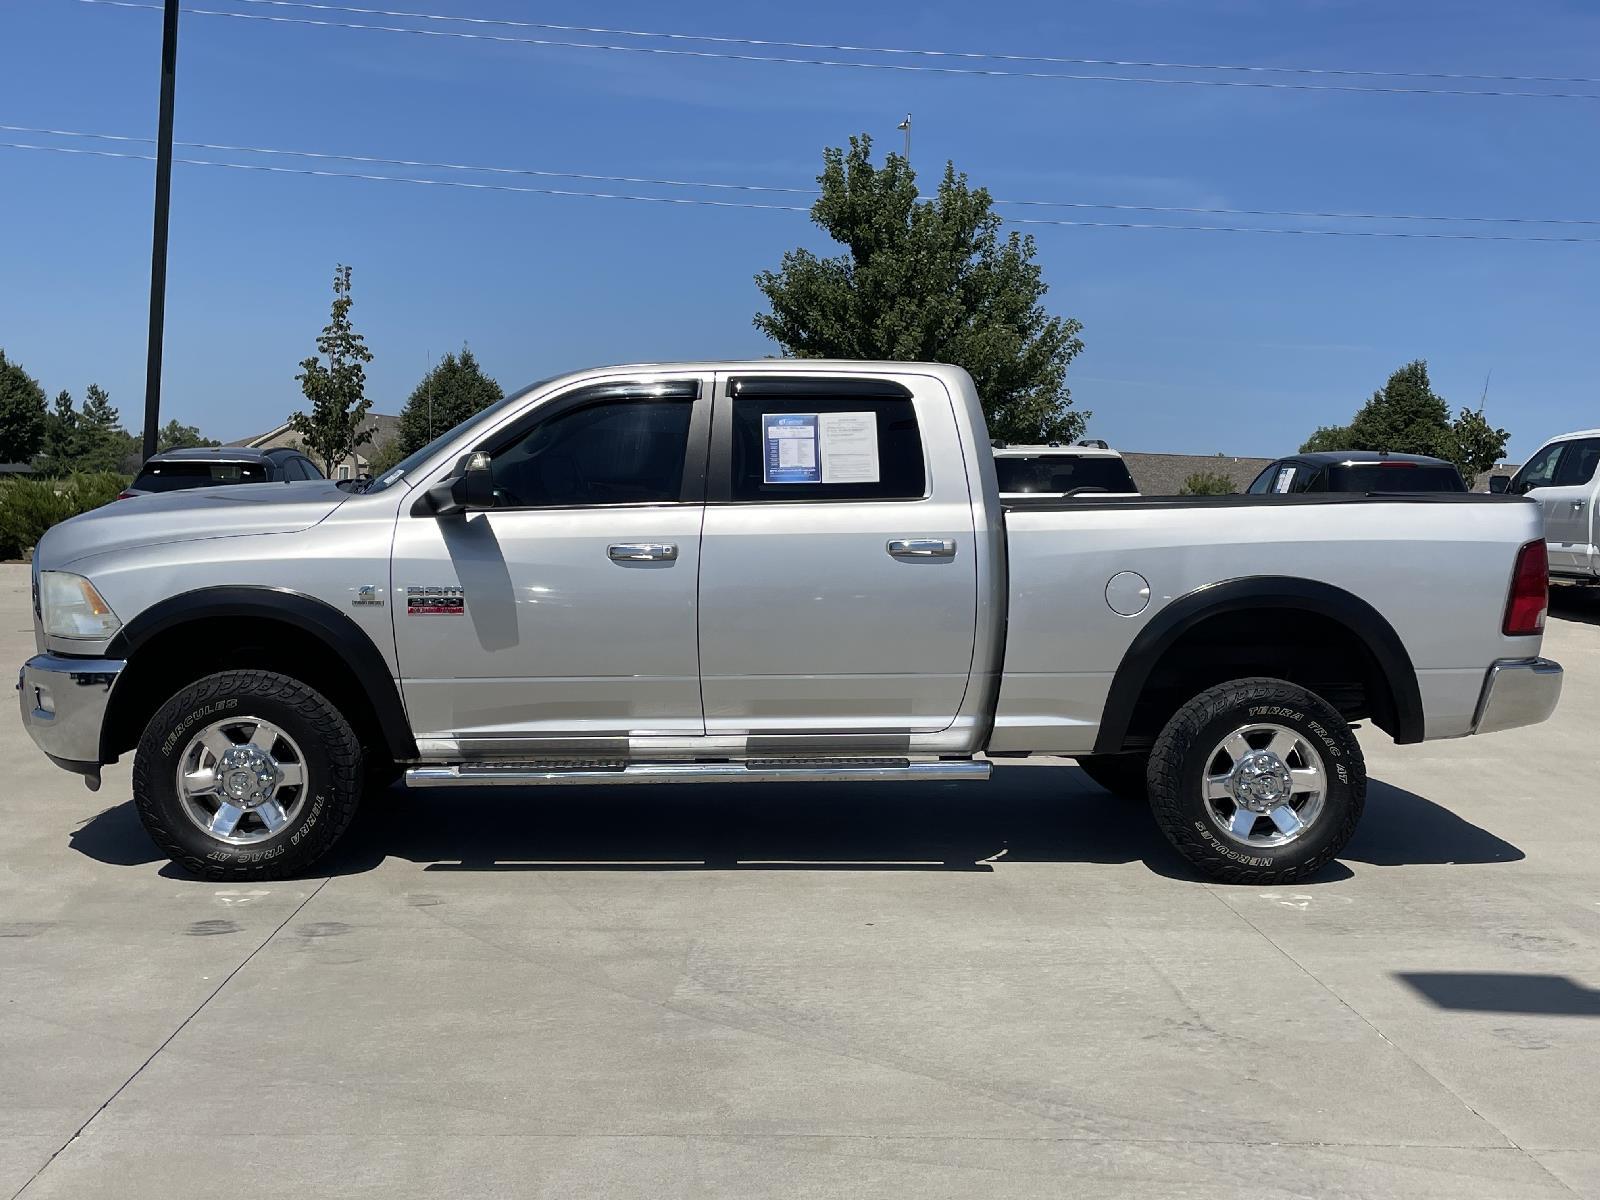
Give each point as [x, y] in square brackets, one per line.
[158, 237]
[905, 128]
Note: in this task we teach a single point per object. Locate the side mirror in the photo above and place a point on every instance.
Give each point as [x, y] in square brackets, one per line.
[1499, 484]
[469, 488]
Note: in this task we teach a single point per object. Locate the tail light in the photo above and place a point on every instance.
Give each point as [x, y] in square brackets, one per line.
[1530, 592]
[126, 495]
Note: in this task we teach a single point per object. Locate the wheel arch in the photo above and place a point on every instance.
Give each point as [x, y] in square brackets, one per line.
[1398, 710]
[301, 636]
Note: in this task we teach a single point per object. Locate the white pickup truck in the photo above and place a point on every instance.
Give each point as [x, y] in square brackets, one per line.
[767, 571]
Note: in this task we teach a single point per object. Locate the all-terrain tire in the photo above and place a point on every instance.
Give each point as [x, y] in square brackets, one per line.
[1123, 775]
[1183, 753]
[332, 767]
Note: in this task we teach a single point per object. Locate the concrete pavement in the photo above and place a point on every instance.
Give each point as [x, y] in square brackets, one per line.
[1012, 989]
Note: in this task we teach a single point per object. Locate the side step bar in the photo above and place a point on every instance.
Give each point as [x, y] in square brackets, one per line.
[860, 770]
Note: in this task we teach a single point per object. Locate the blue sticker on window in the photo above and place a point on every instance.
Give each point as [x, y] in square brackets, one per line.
[791, 448]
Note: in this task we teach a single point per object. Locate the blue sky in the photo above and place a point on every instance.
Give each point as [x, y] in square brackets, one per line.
[1196, 341]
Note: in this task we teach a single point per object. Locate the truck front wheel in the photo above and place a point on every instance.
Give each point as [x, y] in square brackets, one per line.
[247, 775]
[1257, 781]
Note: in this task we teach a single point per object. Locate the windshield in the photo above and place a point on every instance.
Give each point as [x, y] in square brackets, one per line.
[1394, 477]
[1062, 473]
[417, 457]
[175, 476]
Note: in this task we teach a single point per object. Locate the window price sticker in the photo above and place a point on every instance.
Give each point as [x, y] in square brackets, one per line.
[821, 448]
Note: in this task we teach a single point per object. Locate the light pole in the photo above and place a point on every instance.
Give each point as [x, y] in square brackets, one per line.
[905, 128]
[158, 237]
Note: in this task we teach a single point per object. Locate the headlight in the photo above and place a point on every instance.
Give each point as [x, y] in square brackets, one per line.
[73, 609]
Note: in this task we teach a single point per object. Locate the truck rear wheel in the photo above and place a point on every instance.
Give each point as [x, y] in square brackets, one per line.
[1257, 781]
[1123, 775]
[247, 775]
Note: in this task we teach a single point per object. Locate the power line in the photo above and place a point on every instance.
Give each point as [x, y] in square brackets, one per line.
[796, 191]
[979, 55]
[701, 202]
[917, 68]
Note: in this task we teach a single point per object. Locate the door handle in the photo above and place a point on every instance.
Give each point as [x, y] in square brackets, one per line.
[1577, 506]
[642, 552]
[922, 548]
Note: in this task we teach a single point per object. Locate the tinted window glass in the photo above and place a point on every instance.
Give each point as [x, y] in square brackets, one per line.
[1377, 477]
[174, 476]
[614, 452]
[308, 469]
[1540, 470]
[1262, 483]
[891, 438]
[1062, 473]
[1578, 464]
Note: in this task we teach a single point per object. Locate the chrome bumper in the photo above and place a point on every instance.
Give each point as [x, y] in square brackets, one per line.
[63, 703]
[1517, 691]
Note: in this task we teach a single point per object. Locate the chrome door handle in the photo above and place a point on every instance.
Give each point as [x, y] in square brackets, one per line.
[922, 548]
[1577, 506]
[642, 552]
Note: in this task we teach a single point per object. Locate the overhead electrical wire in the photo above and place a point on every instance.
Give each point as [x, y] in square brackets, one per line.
[922, 68]
[374, 160]
[702, 202]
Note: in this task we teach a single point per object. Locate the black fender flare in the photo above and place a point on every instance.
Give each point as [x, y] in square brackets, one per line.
[342, 636]
[1263, 592]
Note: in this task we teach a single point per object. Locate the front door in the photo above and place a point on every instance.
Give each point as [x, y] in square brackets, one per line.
[569, 609]
[838, 579]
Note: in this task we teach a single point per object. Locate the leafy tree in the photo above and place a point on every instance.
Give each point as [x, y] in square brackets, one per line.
[927, 281]
[450, 393]
[1327, 437]
[176, 436]
[1475, 446]
[103, 444]
[1207, 483]
[384, 457]
[22, 413]
[333, 429]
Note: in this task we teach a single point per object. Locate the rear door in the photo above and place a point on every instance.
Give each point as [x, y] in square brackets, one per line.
[1569, 506]
[838, 579]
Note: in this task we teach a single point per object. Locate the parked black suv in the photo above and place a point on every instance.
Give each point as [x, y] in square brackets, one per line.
[216, 466]
[1358, 471]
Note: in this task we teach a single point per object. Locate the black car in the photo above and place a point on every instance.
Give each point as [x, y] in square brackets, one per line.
[216, 466]
[1358, 471]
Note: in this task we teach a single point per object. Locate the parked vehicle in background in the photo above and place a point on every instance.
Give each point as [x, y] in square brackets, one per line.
[1362, 471]
[782, 571]
[1090, 468]
[1562, 478]
[220, 466]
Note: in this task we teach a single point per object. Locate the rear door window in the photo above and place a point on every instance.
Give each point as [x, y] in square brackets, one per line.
[1578, 464]
[828, 446]
[175, 476]
[1394, 477]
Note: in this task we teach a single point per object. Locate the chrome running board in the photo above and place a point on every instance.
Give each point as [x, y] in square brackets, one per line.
[819, 770]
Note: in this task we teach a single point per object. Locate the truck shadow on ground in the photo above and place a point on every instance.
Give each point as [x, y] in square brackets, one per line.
[1576, 604]
[1023, 814]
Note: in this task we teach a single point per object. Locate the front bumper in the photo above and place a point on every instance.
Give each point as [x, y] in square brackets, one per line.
[63, 703]
[1517, 691]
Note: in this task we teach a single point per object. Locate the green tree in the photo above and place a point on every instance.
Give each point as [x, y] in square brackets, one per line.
[1207, 483]
[384, 457]
[927, 281]
[450, 393]
[333, 428]
[176, 436]
[63, 440]
[1327, 437]
[22, 413]
[1474, 445]
[103, 444]
[1405, 416]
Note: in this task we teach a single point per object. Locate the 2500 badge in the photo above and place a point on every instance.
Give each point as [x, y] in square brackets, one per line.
[435, 601]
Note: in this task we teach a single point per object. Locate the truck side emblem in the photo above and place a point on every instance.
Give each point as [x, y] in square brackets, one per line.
[449, 601]
[368, 595]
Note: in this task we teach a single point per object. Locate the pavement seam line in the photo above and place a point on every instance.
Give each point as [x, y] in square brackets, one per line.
[1387, 1040]
[167, 1041]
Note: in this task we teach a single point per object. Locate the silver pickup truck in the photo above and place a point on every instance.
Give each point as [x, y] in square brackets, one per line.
[767, 571]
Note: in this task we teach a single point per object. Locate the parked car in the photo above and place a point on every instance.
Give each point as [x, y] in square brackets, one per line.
[219, 466]
[1088, 468]
[1366, 471]
[767, 572]
[1562, 478]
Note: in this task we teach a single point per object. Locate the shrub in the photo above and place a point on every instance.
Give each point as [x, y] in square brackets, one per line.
[28, 507]
[1207, 483]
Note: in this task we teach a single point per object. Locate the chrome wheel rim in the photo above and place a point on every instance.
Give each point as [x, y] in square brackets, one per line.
[1264, 785]
[241, 780]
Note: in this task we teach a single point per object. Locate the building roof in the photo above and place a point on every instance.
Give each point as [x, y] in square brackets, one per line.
[1164, 474]
[384, 428]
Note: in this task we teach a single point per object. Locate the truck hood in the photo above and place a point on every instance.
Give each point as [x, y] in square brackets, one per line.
[188, 515]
